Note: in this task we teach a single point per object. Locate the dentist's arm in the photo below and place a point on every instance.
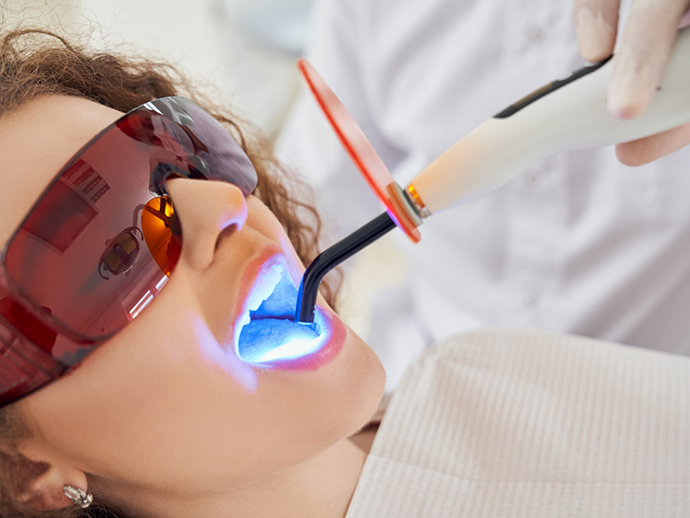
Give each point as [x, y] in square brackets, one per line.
[641, 56]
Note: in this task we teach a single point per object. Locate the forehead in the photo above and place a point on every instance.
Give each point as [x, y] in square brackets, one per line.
[36, 140]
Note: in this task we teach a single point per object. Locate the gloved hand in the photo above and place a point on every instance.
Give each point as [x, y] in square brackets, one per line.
[641, 56]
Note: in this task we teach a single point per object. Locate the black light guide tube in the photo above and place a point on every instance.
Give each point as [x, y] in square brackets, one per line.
[332, 257]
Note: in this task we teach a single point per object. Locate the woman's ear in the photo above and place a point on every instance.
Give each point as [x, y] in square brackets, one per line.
[39, 481]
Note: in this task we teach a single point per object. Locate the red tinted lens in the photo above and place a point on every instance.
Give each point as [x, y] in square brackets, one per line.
[95, 250]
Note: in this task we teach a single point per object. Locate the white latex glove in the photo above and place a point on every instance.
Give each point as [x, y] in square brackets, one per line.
[641, 56]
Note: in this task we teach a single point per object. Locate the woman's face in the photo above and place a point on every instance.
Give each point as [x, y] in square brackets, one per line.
[167, 404]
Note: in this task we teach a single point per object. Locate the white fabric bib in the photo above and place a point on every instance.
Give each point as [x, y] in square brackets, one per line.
[512, 423]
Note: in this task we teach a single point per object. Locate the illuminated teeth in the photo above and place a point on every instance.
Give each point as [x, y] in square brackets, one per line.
[264, 287]
[244, 320]
[267, 337]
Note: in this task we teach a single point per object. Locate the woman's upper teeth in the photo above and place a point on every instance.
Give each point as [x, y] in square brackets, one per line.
[264, 286]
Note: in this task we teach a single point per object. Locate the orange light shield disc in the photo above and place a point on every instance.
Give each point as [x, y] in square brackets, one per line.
[359, 148]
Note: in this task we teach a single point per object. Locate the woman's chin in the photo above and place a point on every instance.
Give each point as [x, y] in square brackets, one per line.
[362, 371]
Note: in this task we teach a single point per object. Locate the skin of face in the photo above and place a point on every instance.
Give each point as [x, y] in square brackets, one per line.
[166, 407]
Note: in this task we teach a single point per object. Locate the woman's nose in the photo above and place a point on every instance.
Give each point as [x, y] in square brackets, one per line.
[205, 208]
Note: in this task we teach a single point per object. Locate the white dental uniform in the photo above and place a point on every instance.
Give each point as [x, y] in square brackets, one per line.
[578, 243]
[517, 423]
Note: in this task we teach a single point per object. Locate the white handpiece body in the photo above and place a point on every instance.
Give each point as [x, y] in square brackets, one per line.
[571, 116]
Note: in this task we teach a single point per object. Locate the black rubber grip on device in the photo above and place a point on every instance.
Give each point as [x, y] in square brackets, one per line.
[332, 257]
[547, 89]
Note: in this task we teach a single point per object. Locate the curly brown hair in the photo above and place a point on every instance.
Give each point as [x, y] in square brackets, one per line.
[34, 63]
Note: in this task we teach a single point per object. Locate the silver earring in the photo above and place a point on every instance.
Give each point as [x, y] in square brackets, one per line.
[78, 496]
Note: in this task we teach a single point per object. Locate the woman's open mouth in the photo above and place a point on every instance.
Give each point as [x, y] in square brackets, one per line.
[266, 331]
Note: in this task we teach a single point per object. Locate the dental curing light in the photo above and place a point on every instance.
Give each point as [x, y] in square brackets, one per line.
[565, 114]
[379, 179]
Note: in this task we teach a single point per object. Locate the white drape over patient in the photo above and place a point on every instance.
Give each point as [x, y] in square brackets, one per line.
[517, 423]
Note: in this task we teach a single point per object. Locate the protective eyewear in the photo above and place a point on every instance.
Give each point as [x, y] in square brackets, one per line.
[102, 240]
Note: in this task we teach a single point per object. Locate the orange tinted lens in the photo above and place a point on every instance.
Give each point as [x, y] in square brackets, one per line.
[163, 241]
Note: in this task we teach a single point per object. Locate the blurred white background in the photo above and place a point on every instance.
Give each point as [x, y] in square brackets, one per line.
[247, 49]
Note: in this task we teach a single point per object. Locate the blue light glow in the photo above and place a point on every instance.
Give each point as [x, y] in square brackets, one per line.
[267, 331]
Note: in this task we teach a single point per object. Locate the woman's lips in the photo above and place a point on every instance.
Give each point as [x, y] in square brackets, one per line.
[271, 338]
